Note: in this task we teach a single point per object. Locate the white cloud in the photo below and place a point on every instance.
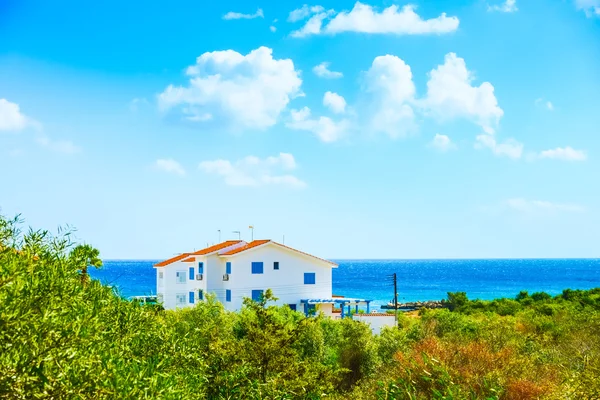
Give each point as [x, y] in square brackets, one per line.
[16, 153]
[334, 102]
[366, 19]
[325, 128]
[59, 146]
[564, 153]
[303, 12]
[253, 171]
[312, 26]
[134, 105]
[524, 205]
[390, 82]
[590, 7]
[247, 91]
[508, 6]
[273, 28]
[11, 118]
[510, 148]
[322, 71]
[235, 15]
[544, 103]
[451, 95]
[169, 165]
[442, 143]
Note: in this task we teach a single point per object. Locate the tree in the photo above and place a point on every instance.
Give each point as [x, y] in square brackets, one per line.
[85, 255]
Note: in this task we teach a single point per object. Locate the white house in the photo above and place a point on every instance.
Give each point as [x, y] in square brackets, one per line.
[236, 269]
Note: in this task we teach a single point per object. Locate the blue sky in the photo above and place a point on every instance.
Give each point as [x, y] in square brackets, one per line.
[358, 130]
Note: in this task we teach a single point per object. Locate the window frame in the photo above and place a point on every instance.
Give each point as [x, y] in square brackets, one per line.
[310, 278]
[180, 296]
[276, 265]
[255, 267]
[178, 276]
[254, 296]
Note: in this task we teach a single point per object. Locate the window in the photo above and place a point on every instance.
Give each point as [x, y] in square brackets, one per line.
[257, 267]
[257, 294]
[191, 273]
[309, 278]
[200, 295]
[180, 275]
[292, 307]
[191, 297]
[180, 299]
[160, 298]
[161, 281]
[276, 265]
[161, 275]
[227, 267]
[200, 268]
[227, 295]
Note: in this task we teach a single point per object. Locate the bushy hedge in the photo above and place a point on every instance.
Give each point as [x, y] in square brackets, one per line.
[64, 336]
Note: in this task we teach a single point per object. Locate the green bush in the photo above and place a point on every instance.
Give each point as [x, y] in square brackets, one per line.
[64, 336]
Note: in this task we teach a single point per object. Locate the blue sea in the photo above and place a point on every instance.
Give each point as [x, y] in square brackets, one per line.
[417, 279]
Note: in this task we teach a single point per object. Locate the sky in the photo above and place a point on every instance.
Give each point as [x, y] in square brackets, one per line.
[375, 129]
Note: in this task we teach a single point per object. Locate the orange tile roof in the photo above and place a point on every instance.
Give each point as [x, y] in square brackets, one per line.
[191, 259]
[248, 246]
[171, 260]
[202, 252]
[216, 247]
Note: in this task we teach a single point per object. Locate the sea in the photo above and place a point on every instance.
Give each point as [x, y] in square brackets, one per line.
[417, 280]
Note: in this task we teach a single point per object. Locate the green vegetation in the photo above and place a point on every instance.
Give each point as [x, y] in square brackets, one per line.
[63, 336]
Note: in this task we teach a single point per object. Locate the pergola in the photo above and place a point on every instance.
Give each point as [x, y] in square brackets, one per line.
[342, 301]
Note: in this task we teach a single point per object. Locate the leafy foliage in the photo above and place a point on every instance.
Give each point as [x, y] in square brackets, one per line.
[65, 336]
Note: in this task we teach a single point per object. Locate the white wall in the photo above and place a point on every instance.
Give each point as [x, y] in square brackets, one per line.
[287, 283]
[171, 288]
[375, 321]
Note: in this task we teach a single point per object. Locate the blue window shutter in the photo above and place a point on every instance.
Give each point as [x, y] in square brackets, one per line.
[227, 295]
[228, 268]
[257, 267]
[200, 268]
[200, 295]
[191, 273]
[292, 307]
[276, 265]
[309, 278]
[256, 295]
[191, 297]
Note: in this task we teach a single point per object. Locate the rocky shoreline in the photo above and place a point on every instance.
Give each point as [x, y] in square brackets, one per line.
[417, 305]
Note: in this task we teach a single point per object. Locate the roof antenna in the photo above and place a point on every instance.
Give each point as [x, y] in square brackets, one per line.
[239, 234]
[252, 229]
[218, 230]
